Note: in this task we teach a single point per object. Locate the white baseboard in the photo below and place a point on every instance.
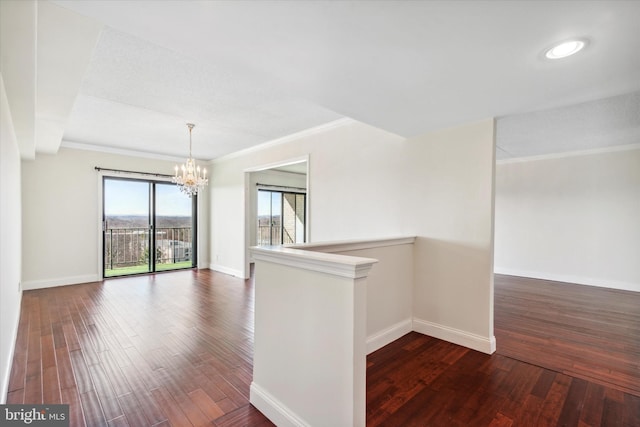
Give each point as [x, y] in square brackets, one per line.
[227, 270]
[50, 283]
[456, 336]
[273, 409]
[12, 349]
[388, 335]
[568, 278]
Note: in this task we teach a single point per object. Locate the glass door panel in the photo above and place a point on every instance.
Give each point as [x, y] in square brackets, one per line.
[281, 217]
[173, 228]
[126, 227]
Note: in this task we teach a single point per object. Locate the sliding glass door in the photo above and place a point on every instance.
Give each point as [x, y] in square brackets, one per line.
[148, 226]
[174, 228]
[281, 217]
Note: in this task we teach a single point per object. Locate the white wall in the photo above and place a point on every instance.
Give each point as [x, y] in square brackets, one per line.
[366, 183]
[389, 288]
[572, 218]
[10, 240]
[310, 361]
[61, 215]
[451, 210]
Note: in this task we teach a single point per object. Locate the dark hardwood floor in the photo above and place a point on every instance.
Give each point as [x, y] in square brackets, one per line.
[422, 381]
[176, 349]
[582, 331]
[166, 349]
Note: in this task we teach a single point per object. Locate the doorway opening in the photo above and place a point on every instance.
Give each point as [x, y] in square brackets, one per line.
[276, 205]
[148, 226]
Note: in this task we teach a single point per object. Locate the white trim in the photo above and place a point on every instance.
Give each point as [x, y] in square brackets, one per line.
[354, 245]
[302, 134]
[281, 188]
[568, 278]
[278, 164]
[456, 336]
[273, 409]
[248, 202]
[7, 373]
[61, 281]
[335, 265]
[226, 270]
[388, 335]
[577, 153]
[121, 151]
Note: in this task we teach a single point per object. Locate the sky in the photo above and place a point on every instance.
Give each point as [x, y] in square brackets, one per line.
[127, 197]
[269, 203]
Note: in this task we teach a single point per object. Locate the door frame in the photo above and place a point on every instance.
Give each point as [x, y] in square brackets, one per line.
[248, 201]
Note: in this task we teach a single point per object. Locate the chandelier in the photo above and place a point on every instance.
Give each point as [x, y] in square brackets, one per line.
[191, 179]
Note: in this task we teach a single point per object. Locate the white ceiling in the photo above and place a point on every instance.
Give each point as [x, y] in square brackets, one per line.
[594, 125]
[249, 72]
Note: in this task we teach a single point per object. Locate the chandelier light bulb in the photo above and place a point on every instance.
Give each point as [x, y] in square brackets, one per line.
[191, 179]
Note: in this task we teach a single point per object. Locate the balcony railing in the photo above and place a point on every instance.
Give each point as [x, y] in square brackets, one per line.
[272, 235]
[129, 248]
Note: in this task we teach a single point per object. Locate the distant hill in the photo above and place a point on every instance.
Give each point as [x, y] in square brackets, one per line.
[141, 221]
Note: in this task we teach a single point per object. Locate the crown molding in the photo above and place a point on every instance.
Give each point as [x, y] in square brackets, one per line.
[577, 153]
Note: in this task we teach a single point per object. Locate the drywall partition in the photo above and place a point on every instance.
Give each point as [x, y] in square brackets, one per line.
[309, 364]
[10, 241]
[61, 218]
[389, 285]
[352, 167]
[451, 210]
[572, 218]
[366, 182]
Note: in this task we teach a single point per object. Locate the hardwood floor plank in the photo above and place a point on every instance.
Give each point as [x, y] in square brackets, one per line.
[118, 422]
[631, 416]
[573, 404]
[33, 383]
[71, 397]
[91, 409]
[170, 407]
[206, 404]
[501, 420]
[612, 413]
[592, 409]
[139, 371]
[81, 372]
[244, 416]
[133, 411]
[542, 387]
[117, 379]
[65, 369]
[104, 391]
[51, 386]
[15, 397]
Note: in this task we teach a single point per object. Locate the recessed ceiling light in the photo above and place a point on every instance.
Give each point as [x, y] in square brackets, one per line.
[564, 49]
